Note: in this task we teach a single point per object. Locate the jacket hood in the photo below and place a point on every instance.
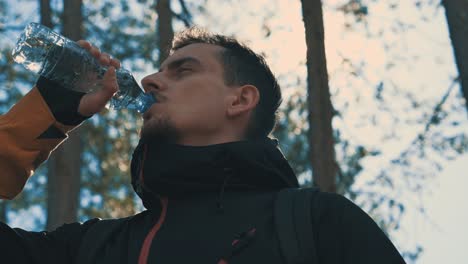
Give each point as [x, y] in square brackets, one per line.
[163, 169]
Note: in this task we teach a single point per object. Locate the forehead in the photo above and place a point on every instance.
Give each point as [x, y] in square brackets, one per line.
[208, 55]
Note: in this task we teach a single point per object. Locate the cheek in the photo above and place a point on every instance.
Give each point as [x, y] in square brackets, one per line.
[200, 97]
[200, 112]
[198, 100]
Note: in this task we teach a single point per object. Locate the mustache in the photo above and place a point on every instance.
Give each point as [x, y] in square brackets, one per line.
[159, 97]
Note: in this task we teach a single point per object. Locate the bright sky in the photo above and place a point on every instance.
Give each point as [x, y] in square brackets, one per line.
[425, 69]
[444, 234]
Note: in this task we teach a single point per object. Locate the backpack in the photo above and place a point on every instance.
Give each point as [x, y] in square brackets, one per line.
[293, 219]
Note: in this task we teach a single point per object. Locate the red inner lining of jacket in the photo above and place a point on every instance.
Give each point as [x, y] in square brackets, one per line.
[145, 249]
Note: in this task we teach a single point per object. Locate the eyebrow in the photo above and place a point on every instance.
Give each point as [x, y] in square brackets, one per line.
[179, 62]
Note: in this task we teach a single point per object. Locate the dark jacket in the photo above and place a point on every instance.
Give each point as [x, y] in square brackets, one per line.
[210, 204]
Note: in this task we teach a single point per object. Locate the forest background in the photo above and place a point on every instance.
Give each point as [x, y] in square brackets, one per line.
[374, 106]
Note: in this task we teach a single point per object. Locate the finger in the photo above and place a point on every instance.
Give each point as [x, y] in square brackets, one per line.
[115, 63]
[105, 59]
[110, 85]
[84, 44]
[92, 103]
[95, 52]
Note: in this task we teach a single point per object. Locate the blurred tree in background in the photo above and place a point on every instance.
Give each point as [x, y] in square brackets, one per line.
[320, 109]
[64, 165]
[384, 135]
[456, 12]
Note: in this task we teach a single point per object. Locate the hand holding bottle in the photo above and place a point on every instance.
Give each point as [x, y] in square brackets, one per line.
[80, 67]
[94, 102]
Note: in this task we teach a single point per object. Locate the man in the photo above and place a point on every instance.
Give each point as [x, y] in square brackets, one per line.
[205, 169]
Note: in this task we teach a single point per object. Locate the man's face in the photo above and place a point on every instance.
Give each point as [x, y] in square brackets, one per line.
[191, 97]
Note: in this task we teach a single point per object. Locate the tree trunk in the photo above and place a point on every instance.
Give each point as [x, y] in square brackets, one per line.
[165, 30]
[321, 143]
[46, 13]
[65, 162]
[456, 12]
[3, 211]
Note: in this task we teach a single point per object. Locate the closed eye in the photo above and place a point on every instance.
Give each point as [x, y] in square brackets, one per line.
[183, 70]
[182, 66]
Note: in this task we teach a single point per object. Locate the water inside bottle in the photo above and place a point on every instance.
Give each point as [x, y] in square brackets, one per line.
[73, 66]
[130, 95]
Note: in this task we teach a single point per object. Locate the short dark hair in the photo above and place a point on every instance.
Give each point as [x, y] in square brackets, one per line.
[242, 66]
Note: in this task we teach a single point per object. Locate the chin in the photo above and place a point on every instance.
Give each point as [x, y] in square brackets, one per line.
[159, 128]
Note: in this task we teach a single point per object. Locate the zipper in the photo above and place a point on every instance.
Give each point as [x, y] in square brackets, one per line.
[145, 249]
[241, 242]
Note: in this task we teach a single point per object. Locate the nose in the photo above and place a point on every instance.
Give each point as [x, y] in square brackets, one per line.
[152, 82]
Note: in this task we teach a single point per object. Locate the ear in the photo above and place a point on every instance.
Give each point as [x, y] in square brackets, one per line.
[243, 100]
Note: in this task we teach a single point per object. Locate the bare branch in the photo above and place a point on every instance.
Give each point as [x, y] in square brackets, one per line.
[185, 10]
[185, 20]
[185, 16]
[434, 119]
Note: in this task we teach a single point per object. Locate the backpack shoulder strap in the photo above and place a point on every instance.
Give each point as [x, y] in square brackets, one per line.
[293, 221]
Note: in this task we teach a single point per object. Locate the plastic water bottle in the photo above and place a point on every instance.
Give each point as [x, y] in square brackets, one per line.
[62, 60]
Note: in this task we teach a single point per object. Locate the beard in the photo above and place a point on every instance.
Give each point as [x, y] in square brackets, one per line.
[159, 129]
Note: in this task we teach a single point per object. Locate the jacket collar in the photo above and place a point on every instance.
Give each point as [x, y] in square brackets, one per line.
[162, 169]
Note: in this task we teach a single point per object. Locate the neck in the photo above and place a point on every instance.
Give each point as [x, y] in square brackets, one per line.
[228, 134]
[206, 141]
